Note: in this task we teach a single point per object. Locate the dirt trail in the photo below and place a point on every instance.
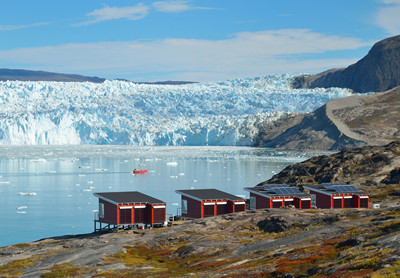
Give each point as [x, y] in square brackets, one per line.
[352, 101]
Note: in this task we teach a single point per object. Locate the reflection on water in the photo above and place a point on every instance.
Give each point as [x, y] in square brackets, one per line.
[48, 190]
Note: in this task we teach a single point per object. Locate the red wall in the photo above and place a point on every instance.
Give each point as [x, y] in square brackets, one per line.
[261, 202]
[277, 204]
[348, 202]
[364, 203]
[360, 203]
[323, 201]
[197, 209]
[239, 207]
[159, 215]
[306, 204]
[193, 208]
[140, 216]
[147, 215]
[110, 212]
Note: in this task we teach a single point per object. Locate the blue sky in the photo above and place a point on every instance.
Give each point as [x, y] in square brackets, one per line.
[197, 40]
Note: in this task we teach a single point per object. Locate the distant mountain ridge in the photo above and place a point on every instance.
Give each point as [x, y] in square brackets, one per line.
[30, 75]
[378, 71]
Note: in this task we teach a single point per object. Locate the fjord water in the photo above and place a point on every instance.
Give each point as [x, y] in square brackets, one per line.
[48, 190]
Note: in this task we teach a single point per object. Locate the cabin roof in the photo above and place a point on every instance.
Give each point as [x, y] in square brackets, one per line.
[261, 190]
[208, 195]
[127, 197]
[335, 189]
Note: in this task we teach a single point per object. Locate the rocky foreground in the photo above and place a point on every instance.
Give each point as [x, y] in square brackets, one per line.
[262, 243]
[269, 243]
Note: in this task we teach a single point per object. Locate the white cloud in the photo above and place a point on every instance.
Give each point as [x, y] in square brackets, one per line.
[111, 13]
[388, 17]
[16, 27]
[136, 12]
[245, 54]
[390, 1]
[174, 6]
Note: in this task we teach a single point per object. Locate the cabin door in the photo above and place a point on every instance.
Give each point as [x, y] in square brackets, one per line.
[140, 215]
[125, 216]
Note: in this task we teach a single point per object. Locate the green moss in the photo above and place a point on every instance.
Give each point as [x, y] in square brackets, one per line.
[67, 270]
[15, 268]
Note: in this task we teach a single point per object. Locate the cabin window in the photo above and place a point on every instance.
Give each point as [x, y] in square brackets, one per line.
[184, 206]
[253, 202]
[101, 210]
[313, 200]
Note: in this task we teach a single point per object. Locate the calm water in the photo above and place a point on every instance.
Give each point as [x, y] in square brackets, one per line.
[48, 190]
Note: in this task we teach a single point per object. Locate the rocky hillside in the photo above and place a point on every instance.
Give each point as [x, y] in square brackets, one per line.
[30, 75]
[378, 71]
[262, 243]
[372, 168]
[350, 122]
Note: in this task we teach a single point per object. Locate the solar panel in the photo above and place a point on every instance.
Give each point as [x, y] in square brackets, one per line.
[285, 190]
[329, 185]
[293, 190]
[271, 186]
[352, 188]
[344, 188]
[277, 191]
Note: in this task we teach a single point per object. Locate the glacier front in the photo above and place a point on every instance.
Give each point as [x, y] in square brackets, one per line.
[125, 113]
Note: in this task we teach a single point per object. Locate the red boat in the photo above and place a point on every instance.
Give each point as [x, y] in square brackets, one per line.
[139, 171]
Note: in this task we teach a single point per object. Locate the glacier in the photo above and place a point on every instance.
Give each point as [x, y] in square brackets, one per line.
[226, 113]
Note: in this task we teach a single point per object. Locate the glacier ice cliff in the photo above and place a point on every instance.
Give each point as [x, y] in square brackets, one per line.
[125, 113]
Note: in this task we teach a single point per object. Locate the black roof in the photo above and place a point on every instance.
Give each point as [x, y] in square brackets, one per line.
[128, 197]
[209, 194]
[335, 188]
[268, 190]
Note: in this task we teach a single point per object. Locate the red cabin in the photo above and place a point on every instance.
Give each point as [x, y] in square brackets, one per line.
[278, 196]
[129, 208]
[199, 203]
[338, 195]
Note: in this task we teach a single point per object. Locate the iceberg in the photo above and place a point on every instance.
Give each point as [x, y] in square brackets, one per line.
[226, 113]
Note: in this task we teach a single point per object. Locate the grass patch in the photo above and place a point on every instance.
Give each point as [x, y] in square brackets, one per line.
[15, 268]
[162, 262]
[67, 270]
[386, 228]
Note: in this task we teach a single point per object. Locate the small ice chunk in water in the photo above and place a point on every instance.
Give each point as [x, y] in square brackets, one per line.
[22, 207]
[27, 193]
[172, 163]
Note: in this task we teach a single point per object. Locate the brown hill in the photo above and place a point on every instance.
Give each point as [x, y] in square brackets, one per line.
[378, 71]
[344, 123]
[30, 75]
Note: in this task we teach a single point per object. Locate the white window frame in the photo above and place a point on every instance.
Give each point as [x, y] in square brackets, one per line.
[184, 206]
[253, 202]
[101, 210]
